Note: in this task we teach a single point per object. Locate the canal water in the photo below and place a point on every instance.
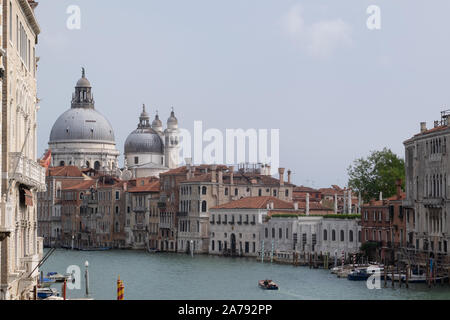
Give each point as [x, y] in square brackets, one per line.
[182, 277]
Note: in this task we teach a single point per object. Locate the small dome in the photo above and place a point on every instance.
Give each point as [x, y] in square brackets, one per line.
[83, 82]
[156, 123]
[144, 140]
[172, 119]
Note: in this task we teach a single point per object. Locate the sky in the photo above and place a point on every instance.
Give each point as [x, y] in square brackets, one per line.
[334, 88]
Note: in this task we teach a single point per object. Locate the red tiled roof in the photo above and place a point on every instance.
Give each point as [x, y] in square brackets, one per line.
[256, 203]
[81, 185]
[152, 186]
[67, 171]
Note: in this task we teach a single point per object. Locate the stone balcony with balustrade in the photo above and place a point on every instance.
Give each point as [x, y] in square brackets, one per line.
[6, 222]
[27, 171]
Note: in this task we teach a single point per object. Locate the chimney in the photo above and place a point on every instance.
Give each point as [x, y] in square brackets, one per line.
[399, 183]
[269, 170]
[231, 168]
[188, 167]
[213, 173]
[423, 127]
[381, 195]
[350, 201]
[295, 205]
[289, 176]
[220, 174]
[307, 204]
[281, 172]
[335, 203]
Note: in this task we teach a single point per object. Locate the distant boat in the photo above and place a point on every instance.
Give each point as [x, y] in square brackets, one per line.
[56, 277]
[267, 285]
[152, 250]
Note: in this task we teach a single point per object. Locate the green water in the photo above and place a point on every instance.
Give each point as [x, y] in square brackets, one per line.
[181, 277]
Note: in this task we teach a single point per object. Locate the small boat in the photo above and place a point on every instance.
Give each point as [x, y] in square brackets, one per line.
[56, 277]
[362, 274]
[46, 282]
[267, 285]
[44, 293]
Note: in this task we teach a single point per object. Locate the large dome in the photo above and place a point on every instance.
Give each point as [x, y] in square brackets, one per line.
[144, 140]
[80, 124]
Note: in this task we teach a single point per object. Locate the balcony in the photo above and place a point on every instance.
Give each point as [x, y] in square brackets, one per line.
[433, 202]
[27, 171]
[139, 209]
[6, 214]
[182, 214]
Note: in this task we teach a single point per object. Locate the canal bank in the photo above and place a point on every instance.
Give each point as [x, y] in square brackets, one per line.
[168, 276]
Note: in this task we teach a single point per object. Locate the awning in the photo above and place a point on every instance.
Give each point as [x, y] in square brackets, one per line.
[28, 198]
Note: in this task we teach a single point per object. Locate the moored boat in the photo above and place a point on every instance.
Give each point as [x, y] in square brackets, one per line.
[44, 293]
[267, 285]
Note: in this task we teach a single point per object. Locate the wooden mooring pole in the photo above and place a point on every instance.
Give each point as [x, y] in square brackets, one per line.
[393, 276]
[385, 275]
[407, 275]
[399, 273]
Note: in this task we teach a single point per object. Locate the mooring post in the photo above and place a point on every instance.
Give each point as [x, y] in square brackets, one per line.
[385, 275]
[399, 272]
[393, 277]
[407, 275]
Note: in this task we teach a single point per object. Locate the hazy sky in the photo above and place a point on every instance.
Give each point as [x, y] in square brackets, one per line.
[334, 88]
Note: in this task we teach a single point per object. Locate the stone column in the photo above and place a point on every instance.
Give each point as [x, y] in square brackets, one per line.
[4, 263]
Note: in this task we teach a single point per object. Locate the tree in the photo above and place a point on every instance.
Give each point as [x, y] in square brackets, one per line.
[376, 173]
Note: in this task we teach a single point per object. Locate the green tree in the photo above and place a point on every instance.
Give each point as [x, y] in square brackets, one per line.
[376, 173]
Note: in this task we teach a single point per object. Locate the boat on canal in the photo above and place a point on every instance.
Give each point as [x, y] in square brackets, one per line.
[267, 285]
[44, 293]
[362, 274]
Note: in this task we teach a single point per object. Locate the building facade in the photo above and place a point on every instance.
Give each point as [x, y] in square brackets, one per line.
[22, 176]
[427, 187]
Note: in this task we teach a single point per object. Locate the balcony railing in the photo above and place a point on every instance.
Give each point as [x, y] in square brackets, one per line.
[27, 171]
[6, 214]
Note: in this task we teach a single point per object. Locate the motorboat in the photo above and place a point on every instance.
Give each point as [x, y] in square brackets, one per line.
[44, 293]
[56, 277]
[267, 285]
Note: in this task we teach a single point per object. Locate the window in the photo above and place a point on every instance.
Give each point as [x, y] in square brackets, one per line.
[117, 195]
[286, 193]
[204, 190]
[136, 160]
[333, 235]
[204, 208]
[226, 191]
[274, 193]
[280, 233]
[350, 236]
[259, 193]
[287, 233]
[342, 235]
[273, 232]
[266, 233]
[236, 192]
[325, 235]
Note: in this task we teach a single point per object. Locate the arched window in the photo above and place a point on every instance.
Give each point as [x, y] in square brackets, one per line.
[325, 235]
[280, 233]
[333, 235]
[97, 165]
[342, 235]
[226, 191]
[350, 236]
[204, 190]
[204, 208]
[266, 233]
[273, 232]
[62, 164]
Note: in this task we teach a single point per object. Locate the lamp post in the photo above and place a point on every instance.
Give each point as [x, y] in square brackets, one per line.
[86, 277]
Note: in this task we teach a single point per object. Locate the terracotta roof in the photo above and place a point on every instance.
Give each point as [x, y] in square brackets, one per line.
[81, 185]
[67, 171]
[256, 203]
[149, 186]
[305, 189]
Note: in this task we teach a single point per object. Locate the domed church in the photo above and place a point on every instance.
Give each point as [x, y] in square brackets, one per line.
[149, 150]
[82, 136]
